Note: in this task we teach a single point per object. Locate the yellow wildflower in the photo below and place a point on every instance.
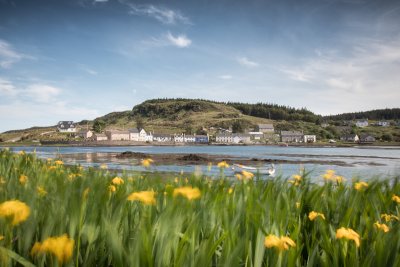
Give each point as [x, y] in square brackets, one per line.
[147, 162]
[71, 177]
[22, 152]
[313, 215]
[339, 179]
[186, 180]
[176, 180]
[2, 180]
[389, 217]
[382, 226]
[146, 197]
[238, 176]
[297, 177]
[62, 247]
[16, 210]
[281, 243]
[330, 176]
[223, 164]
[297, 204]
[1, 237]
[49, 160]
[360, 185]
[112, 188]
[348, 234]
[247, 175]
[188, 192]
[117, 181]
[103, 166]
[23, 179]
[41, 192]
[58, 162]
[396, 198]
[52, 168]
[230, 190]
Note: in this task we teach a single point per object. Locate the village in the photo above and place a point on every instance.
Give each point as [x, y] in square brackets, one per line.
[262, 134]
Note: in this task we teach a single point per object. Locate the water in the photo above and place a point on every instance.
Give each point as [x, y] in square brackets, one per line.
[363, 162]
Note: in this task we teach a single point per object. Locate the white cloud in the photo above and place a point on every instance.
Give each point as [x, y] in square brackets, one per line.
[7, 88]
[8, 56]
[42, 93]
[297, 75]
[88, 70]
[244, 61]
[100, 1]
[162, 14]
[225, 77]
[179, 41]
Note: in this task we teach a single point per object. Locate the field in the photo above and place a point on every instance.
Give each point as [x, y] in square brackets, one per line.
[53, 215]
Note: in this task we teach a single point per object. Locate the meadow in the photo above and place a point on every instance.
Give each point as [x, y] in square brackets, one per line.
[56, 215]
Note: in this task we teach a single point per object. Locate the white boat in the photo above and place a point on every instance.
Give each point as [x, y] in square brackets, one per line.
[237, 168]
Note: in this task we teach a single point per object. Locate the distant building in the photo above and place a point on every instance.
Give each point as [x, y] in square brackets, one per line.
[85, 134]
[366, 138]
[149, 137]
[179, 138]
[137, 135]
[66, 127]
[224, 138]
[310, 138]
[201, 138]
[241, 138]
[350, 138]
[162, 138]
[383, 123]
[100, 137]
[324, 124]
[292, 136]
[115, 135]
[266, 128]
[256, 135]
[362, 123]
[189, 138]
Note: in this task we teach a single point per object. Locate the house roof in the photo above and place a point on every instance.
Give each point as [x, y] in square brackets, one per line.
[100, 135]
[65, 124]
[117, 132]
[349, 136]
[290, 133]
[134, 130]
[161, 135]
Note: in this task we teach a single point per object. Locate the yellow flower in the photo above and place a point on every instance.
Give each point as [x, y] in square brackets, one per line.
[146, 197]
[1, 237]
[147, 162]
[103, 166]
[238, 176]
[247, 175]
[112, 188]
[52, 168]
[396, 198]
[281, 243]
[62, 247]
[330, 176]
[313, 215]
[360, 185]
[223, 164]
[230, 190]
[297, 177]
[2, 180]
[389, 217]
[188, 192]
[58, 162]
[16, 210]
[40, 190]
[23, 179]
[117, 181]
[348, 234]
[22, 152]
[339, 179]
[176, 180]
[71, 177]
[297, 204]
[382, 226]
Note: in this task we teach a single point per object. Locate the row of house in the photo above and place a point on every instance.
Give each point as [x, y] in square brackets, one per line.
[354, 138]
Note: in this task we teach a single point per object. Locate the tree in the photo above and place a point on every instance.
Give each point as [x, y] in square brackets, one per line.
[99, 125]
[139, 122]
[387, 137]
[238, 126]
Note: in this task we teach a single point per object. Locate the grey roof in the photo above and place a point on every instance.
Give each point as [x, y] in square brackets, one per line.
[267, 126]
[134, 130]
[290, 133]
[65, 124]
[161, 135]
[117, 132]
[100, 135]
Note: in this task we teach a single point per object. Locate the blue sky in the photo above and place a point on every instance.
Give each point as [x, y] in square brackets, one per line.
[79, 59]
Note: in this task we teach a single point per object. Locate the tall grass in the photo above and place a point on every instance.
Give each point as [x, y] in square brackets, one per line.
[226, 226]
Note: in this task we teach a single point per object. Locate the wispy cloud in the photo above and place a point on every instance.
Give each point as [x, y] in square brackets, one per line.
[7, 88]
[244, 61]
[225, 77]
[8, 55]
[179, 41]
[88, 70]
[162, 14]
[42, 93]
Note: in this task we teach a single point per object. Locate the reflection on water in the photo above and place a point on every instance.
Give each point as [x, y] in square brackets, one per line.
[364, 163]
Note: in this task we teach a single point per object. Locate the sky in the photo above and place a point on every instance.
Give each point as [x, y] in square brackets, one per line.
[80, 59]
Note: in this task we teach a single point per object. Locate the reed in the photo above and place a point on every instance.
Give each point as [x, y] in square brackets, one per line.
[87, 217]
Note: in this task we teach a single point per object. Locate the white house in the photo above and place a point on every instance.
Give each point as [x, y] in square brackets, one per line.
[362, 123]
[162, 138]
[241, 138]
[149, 137]
[350, 138]
[291, 136]
[115, 135]
[189, 138]
[66, 127]
[224, 138]
[309, 138]
[100, 137]
[256, 135]
[383, 123]
[137, 135]
[179, 138]
[85, 134]
[266, 128]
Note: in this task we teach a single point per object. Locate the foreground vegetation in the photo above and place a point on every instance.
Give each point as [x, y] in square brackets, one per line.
[51, 215]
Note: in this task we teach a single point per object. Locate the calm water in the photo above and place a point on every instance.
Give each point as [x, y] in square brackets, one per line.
[364, 162]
